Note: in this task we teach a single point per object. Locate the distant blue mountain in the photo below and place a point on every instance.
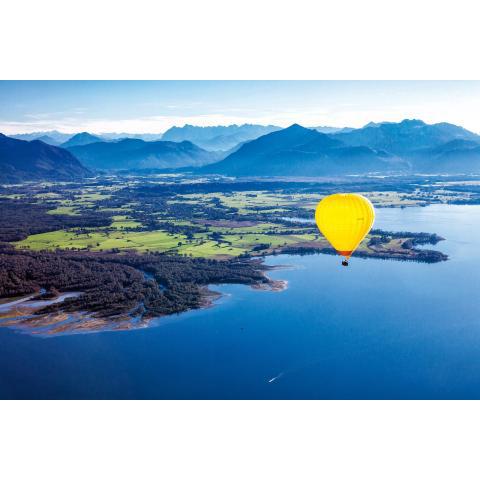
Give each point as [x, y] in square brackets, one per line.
[134, 154]
[22, 161]
[329, 130]
[454, 145]
[385, 147]
[456, 156]
[437, 148]
[49, 140]
[83, 138]
[57, 137]
[147, 137]
[300, 151]
[406, 137]
[217, 137]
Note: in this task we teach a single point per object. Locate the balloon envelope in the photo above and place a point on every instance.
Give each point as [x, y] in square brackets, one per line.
[344, 219]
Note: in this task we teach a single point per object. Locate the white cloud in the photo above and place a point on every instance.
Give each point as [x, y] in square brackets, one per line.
[153, 124]
[461, 112]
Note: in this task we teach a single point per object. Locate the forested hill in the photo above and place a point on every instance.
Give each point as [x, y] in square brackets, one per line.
[23, 161]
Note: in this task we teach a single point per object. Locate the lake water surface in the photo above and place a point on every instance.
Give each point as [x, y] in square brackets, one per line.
[378, 329]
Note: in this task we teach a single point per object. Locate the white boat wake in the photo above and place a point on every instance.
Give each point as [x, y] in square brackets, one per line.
[273, 379]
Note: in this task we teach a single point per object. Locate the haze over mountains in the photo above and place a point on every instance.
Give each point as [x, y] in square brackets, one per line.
[209, 138]
[130, 153]
[148, 137]
[219, 137]
[331, 130]
[52, 135]
[83, 138]
[410, 146]
[48, 140]
[405, 137]
[304, 152]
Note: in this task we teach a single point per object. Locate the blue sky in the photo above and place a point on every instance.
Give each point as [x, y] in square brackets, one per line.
[154, 106]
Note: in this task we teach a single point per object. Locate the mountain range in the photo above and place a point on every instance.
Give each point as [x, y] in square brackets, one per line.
[455, 156]
[48, 140]
[54, 137]
[23, 161]
[83, 138]
[147, 137]
[302, 151]
[133, 153]
[221, 138]
[51, 136]
[406, 137]
[331, 130]
[409, 146]
[218, 137]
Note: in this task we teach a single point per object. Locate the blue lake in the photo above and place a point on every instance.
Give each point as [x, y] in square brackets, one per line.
[378, 329]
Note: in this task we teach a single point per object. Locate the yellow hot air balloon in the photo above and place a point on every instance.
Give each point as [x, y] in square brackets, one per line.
[344, 219]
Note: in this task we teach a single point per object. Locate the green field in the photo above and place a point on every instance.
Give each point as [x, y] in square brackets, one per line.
[63, 211]
[124, 224]
[218, 225]
[220, 238]
[141, 241]
[201, 245]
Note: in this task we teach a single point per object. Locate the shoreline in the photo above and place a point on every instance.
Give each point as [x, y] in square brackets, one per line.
[18, 314]
[22, 317]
